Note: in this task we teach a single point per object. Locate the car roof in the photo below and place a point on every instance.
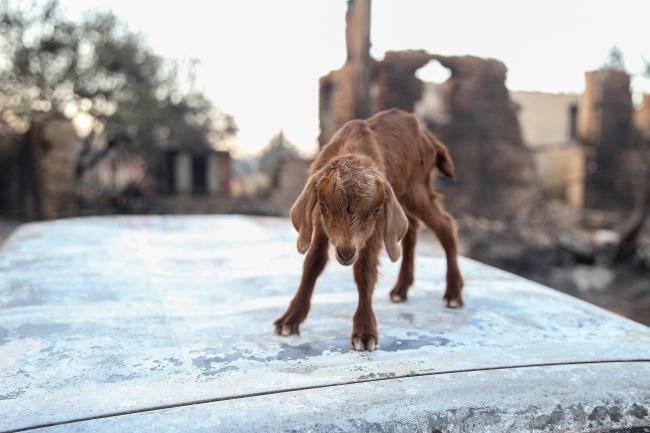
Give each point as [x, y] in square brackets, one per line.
[103, 317]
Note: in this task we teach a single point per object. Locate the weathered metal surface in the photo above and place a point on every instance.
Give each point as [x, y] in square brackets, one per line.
[575, 398]
[104, 316]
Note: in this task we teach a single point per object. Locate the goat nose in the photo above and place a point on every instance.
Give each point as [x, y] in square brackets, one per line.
[346, 253]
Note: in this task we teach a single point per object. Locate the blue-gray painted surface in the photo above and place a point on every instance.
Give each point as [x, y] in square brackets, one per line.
[106, 316]
[574, 398]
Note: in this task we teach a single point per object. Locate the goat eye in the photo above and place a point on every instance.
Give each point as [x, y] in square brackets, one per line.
[322, 206]
[376, 211]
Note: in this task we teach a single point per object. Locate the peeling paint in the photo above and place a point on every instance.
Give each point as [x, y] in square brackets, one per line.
[30, 330]
[638, 411]
[221, 370]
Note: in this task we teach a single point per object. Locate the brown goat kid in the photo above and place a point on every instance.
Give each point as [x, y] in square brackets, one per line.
[372, 180]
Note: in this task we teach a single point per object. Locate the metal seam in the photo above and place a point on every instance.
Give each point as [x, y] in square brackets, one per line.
[304, 388]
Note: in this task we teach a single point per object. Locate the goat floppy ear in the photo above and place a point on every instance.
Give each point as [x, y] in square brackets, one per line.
[395, 224]
[301, 215]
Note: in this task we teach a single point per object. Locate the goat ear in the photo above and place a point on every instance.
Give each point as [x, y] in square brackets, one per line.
[395, 224]
[301, 215]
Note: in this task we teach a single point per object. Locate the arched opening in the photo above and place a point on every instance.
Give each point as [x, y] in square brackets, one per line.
[431, 108]
[433, 72]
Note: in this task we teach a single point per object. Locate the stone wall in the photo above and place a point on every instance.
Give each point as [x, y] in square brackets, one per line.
[549, 128]
[547, 119]
[396, 83]
[495, 170]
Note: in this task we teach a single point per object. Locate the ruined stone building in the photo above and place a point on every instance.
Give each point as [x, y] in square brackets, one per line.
[49, 172]
[588, 148]
[195, 170]
[495, 169]
[549, 129]
[511, 149]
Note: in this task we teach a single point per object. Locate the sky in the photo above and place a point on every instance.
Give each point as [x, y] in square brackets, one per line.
[261, 60]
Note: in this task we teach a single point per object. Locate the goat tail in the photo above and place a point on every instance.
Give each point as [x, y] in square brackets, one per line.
[443, 161]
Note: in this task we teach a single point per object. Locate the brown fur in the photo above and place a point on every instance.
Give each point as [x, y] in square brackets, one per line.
[374, 181]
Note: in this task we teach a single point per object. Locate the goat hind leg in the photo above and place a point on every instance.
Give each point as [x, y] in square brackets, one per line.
[442, 224]
[315, 262]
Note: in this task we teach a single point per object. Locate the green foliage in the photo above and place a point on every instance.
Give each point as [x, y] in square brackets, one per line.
[136, 98]
[614, 59]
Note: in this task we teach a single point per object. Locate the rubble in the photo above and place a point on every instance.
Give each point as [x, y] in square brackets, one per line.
[569, 251]
[596, 278]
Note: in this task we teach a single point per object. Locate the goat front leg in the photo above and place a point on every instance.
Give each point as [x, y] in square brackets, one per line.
[315, 262]
[364, 324]
[405, 279]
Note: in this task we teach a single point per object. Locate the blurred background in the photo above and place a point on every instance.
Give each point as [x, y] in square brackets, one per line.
[196, 108]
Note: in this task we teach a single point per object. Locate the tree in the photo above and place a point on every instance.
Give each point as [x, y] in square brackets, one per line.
[276, 151]
[614, 59]
[140, 101]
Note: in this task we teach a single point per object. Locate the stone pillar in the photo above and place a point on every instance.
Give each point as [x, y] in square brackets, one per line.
[183, 173]
[575, 175]
[642, 117]
[213, 174]
[48, 168]
[345, 94]
[604, 127]
[357, 37]
[224, 171]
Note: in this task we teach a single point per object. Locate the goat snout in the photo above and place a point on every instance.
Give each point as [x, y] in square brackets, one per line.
[346, 255]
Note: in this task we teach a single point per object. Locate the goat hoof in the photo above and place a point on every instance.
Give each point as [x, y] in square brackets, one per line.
[453, 302]
[285, 329]
[359, 345]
